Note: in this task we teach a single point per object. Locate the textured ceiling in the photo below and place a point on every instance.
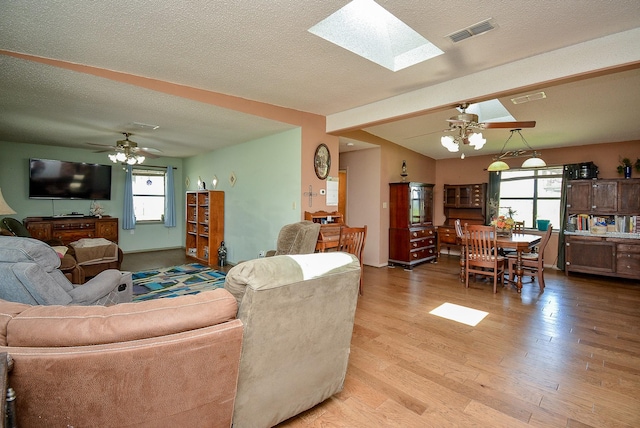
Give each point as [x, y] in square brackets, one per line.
[262, 51]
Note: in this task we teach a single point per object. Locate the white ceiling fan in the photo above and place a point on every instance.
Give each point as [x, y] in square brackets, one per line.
[128, 152]
[467, 126]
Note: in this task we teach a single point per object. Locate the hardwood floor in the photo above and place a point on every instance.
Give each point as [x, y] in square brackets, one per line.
[569, 357]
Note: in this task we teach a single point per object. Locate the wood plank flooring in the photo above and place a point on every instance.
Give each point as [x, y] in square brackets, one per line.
[569, 357]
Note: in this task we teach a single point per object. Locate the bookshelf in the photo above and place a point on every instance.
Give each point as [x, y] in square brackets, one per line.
[204, 225]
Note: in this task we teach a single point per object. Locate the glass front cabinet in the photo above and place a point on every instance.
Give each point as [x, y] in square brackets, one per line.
[412, 238]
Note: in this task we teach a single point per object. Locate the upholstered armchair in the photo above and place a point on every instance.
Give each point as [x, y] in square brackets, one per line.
[297, 238]
[29, 273]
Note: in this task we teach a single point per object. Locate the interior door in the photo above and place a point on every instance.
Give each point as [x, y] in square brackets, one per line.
[342, 193]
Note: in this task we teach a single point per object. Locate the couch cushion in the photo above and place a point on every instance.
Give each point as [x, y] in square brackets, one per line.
[8, 310]
[59, 326]
[271, 272]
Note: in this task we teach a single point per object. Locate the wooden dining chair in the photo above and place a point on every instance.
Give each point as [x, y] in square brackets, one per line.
[352, 240]
[482, 256]
[518, 227]
[460, 236]
[532, 263]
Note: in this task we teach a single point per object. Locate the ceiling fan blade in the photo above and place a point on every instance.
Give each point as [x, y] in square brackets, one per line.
[429, 133]
[509, 125]
[147, 152]
[104, 148]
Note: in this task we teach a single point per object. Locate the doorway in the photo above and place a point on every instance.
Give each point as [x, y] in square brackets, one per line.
[342, 193]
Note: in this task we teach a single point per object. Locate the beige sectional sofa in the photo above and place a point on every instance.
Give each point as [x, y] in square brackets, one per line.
[184, 361]
[298, 314]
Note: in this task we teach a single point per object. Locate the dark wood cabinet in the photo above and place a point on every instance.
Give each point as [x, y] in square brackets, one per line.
[465, 195]
[205, 225]
[611, 254]
[71, 229]
[447, 237]
[412, 238]
[592, 196]
[604, 255]
[466, 202]
[629, 196]
[590, 254]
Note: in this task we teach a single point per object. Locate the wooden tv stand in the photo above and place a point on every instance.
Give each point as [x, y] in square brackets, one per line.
[70, 229]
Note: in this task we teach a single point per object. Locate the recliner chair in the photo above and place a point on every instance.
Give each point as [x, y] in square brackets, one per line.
[29, 274]
[297, 238]
[75, 273]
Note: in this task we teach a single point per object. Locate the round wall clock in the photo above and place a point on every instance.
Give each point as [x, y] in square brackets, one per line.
[322, 161]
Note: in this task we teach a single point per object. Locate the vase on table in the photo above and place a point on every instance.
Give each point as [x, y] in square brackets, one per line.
[504, 232]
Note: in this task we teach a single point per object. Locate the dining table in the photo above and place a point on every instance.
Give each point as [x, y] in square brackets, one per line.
[514, 241]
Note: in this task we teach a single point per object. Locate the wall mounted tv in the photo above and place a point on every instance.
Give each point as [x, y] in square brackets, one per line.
[55, 179]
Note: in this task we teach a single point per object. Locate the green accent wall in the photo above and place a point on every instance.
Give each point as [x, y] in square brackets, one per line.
[14, 182]
[266, 195]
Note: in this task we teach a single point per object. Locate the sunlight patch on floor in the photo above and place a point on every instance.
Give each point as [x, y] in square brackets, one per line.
[459, 313]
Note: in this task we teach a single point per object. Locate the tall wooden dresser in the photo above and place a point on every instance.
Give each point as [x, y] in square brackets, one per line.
[412, 238]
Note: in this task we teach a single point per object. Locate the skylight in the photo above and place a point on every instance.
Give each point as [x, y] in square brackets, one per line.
[491, 111]
[367, 29]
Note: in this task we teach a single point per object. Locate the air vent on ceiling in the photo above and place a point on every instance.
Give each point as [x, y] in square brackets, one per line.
[473, 30]
[530, 97]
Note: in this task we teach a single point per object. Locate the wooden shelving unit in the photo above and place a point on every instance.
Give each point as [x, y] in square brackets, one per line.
[606, 254]
[204, 225]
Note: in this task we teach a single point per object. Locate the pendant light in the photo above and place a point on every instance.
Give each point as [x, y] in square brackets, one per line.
[534, 161]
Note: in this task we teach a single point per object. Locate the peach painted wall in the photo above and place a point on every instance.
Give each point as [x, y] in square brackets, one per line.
[372, 194]
[363, 198]
[313, 133]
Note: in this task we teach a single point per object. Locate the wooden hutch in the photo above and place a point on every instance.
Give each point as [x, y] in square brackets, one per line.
[412, 238]
[466, 202]
[204, 225]
[616, 251]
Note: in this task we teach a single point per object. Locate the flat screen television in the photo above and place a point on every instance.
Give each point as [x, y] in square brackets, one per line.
[55, 179]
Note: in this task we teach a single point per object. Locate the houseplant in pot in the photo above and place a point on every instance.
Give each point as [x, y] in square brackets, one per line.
[625, 167]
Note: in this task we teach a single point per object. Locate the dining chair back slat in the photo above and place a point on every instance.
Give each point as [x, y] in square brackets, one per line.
[482, 254]
[352, 240]
[532, 263]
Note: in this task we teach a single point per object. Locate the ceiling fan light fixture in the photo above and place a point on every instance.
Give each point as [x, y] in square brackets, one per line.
[121, 157]
[498, 165]
[449, 143]
[476, 141]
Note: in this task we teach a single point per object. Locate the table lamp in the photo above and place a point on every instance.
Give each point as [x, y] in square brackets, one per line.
[4, 207]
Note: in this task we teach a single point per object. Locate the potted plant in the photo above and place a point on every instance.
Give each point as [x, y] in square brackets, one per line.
[637, 165]
[625, 167]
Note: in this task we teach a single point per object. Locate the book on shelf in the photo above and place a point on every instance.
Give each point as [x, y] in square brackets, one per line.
[627, 223]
